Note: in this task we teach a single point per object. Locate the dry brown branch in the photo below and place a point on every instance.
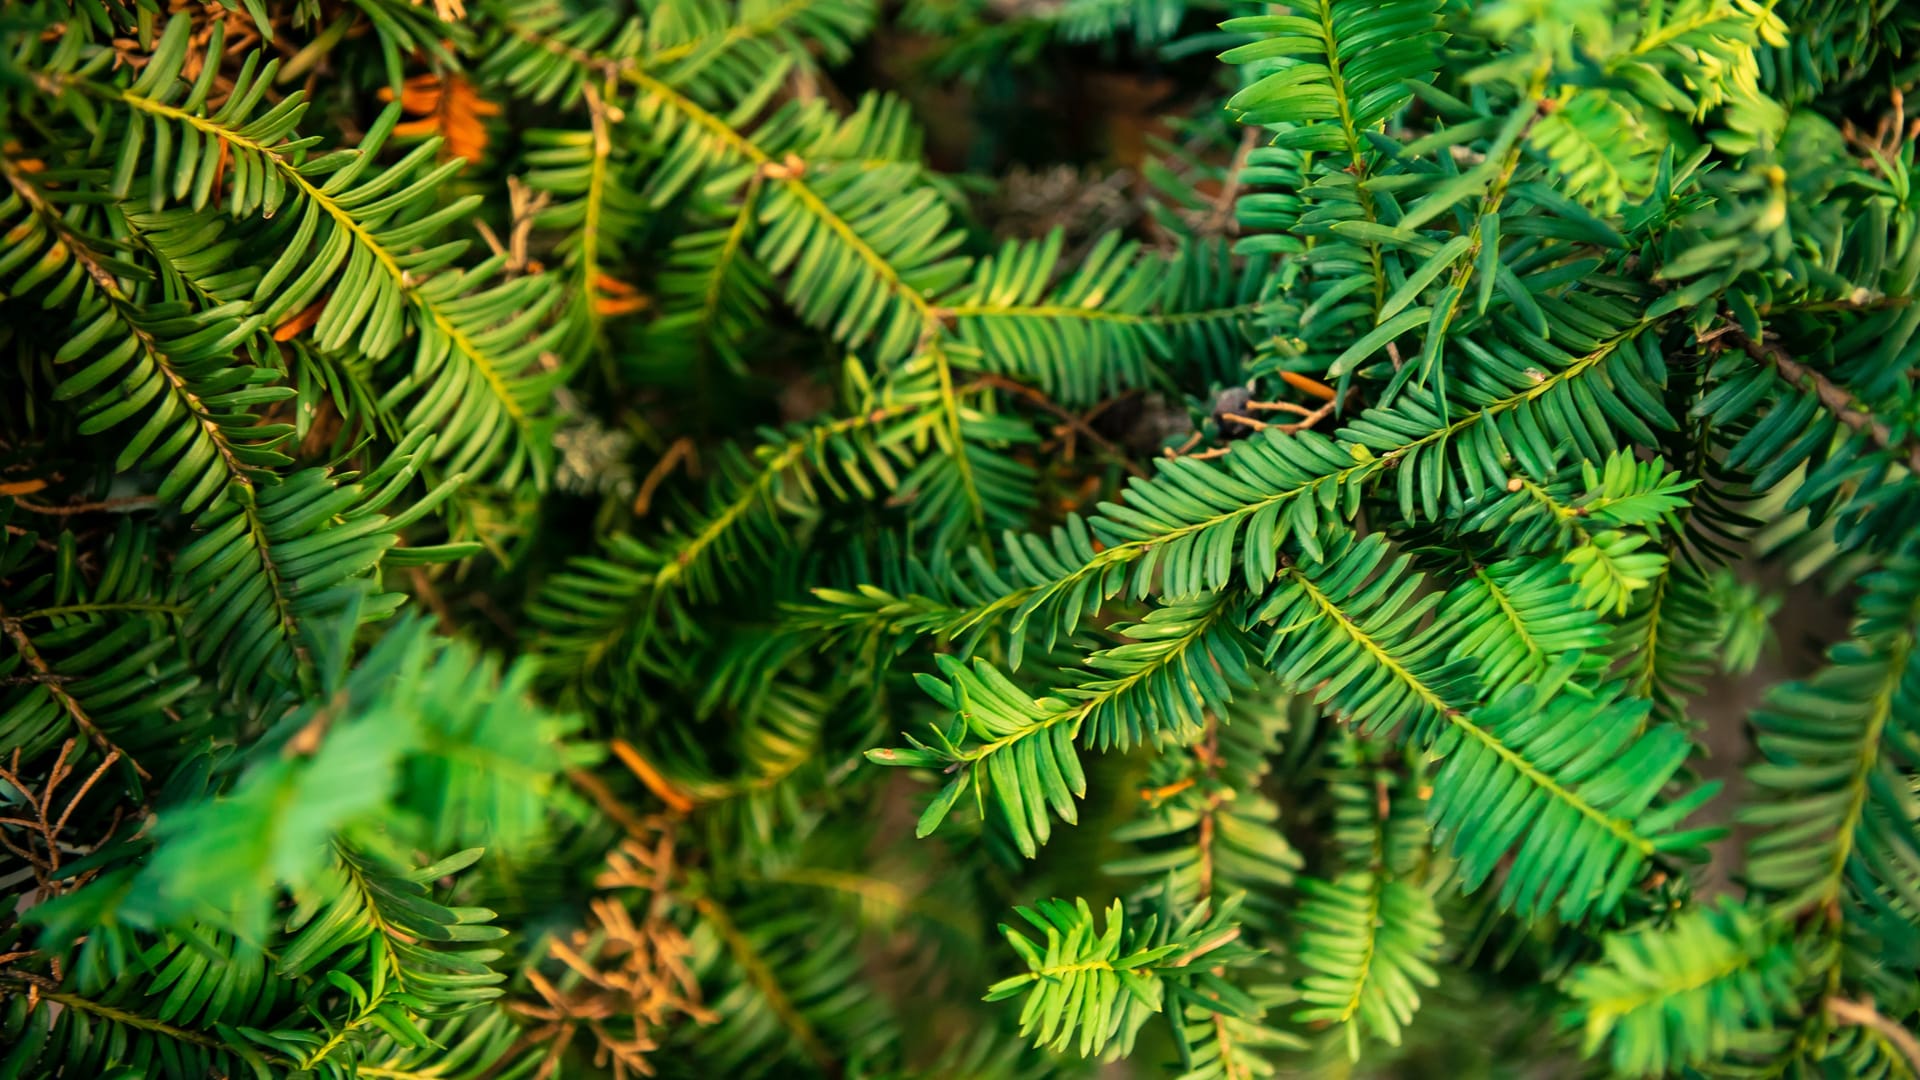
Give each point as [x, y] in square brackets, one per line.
[42, 844]
[1863, 1014]
[1220, 218]
[105, 506]
[681, 450]
[1836, 399]
[1078, 425]
[622, 979]
[1279, 406]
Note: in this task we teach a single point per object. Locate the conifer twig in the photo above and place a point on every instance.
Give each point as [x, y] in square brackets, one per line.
[1837, 400]
[105, 506]
[1079, 425]
[754, 966]
[681, 450]
[68, 702]
[609, 803]
[1221, 216]
[1207, 753]
[44, 824]
[1863, 1014]
[1279, 406]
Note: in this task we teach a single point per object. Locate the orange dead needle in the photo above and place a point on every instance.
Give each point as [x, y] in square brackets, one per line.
[1307, 385]
[650, 776]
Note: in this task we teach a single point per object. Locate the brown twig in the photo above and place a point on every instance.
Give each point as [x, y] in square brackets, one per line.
[43, 824]
[1193, 440]
[1279, 406]
[1863, 1014]
[1095, 412]
[1079, 425]
[1861, 300]
[1221, 217]
[1207, 753]
[1837, 400]
[67, 701]
[131, 502]
[1232, 934]
[423, 587]
[1888, 135]
[485, 605]
[86, 786]
[1310, 419]
[681, 450]
[609, 803]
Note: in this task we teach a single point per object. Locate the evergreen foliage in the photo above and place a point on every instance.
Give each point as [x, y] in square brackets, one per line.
[547, 538]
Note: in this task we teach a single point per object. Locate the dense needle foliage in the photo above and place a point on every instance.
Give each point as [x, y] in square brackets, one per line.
[512, 512]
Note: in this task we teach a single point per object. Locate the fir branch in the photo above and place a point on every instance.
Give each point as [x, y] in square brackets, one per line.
[52, 683]
[767, 982]
[1381, 654]
[1469, 260]
[1366, 465]
[1360, 161]
[597, 184]
[288, 172]
[135, 1020]
[1857, 787]
[102, 608]
[1431, 698]
[761, 26]
[792, 179]
[234, 470]
[732, 249]
[279, 594]
[599, 605]
[1094, 314]
[210, 279]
